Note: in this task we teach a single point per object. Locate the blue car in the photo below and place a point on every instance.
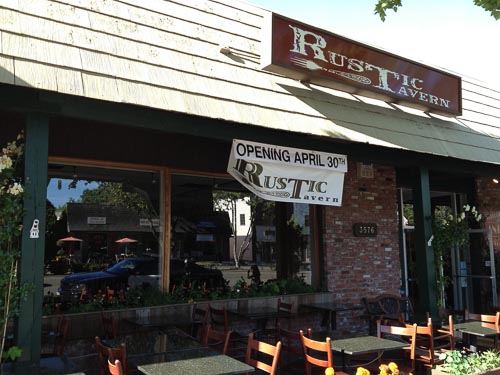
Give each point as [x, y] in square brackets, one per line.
[134, 272]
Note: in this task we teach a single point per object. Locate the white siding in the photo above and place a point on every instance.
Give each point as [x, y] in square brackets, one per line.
[169, 51]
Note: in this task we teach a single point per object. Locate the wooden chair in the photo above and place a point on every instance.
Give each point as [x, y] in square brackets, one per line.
[108, 326]
[287, 308]
[493, 319]
[487, 318]
[406, 334]
[260, 353]
[317, 353]
[199, 320]
[218, 318]
[116, 368]
[216, 339]
[292, 358]
[427, 348]
[105, 352]
[60, 337]
[283, 307]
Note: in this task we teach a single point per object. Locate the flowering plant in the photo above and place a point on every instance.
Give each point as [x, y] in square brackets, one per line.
[11, 217]
[449, 230]
[389, 369]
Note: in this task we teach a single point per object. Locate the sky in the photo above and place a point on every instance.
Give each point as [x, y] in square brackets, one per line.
[454, 35]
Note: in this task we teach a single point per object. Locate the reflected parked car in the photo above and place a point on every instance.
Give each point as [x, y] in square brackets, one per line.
[133, 272]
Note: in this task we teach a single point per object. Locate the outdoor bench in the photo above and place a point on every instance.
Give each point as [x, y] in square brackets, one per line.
[390, 307]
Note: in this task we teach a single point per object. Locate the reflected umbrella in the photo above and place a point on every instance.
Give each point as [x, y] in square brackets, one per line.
[70, 240]
[126, 241]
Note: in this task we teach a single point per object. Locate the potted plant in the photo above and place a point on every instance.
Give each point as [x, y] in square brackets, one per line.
[461, 363]
[11, 216]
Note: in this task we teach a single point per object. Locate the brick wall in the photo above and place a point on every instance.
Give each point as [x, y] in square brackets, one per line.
[359, 267]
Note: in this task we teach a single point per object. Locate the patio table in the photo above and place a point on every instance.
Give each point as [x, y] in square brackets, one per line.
[57, 365]
[219, 364]
[261, 316]
[159, 322]
[361, 345]
[154, 342]
[329, 310]
[474, 329]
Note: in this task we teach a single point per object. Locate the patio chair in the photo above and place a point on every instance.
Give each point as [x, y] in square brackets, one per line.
[219, 321]
[216, 340]
[317, 354]
[283, 307]
[218, 318]
[407, 334]
[108, 326]
[116, 368]
[263, 356]
[429, 345]
[494, 319]
[199, 320]
[59, 337]
[292, 357]
[105, 352]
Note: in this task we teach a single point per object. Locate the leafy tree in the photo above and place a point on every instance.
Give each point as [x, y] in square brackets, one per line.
[114, 194]
[122, 195]
[381, 7]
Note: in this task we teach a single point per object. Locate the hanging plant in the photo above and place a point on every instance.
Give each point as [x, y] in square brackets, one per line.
[451, 231]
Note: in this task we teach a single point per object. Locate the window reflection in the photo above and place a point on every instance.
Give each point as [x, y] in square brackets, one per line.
[216, 219]
[98, 216]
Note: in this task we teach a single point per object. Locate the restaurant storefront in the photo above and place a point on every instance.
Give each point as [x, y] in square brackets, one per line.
[154, 108]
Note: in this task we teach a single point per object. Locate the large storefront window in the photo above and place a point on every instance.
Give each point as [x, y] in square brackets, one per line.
[215, 219]
[97, 217]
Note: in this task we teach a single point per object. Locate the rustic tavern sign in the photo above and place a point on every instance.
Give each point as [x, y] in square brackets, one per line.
[306, 53]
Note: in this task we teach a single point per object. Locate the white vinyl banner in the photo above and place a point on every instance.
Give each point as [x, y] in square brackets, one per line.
[288, 174]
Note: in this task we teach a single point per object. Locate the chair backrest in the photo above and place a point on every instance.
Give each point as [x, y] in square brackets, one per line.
[284, 307]
[290, 340]
[444, 338]
[108, 326]
[105, 352]
[218, 318]
[263, 356]
[199, 320]
[61, 335]
[115, 368]
[487, 318]
[216, 339]
[316, 353]
[424, 349]
[407, 334]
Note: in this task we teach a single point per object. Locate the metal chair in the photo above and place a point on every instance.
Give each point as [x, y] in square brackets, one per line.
[263, 356]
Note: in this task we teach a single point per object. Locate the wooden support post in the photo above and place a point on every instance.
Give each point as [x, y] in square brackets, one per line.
[33, 248]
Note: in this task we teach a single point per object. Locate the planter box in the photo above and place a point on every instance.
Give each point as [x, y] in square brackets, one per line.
[438, 371]
[87, 325]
